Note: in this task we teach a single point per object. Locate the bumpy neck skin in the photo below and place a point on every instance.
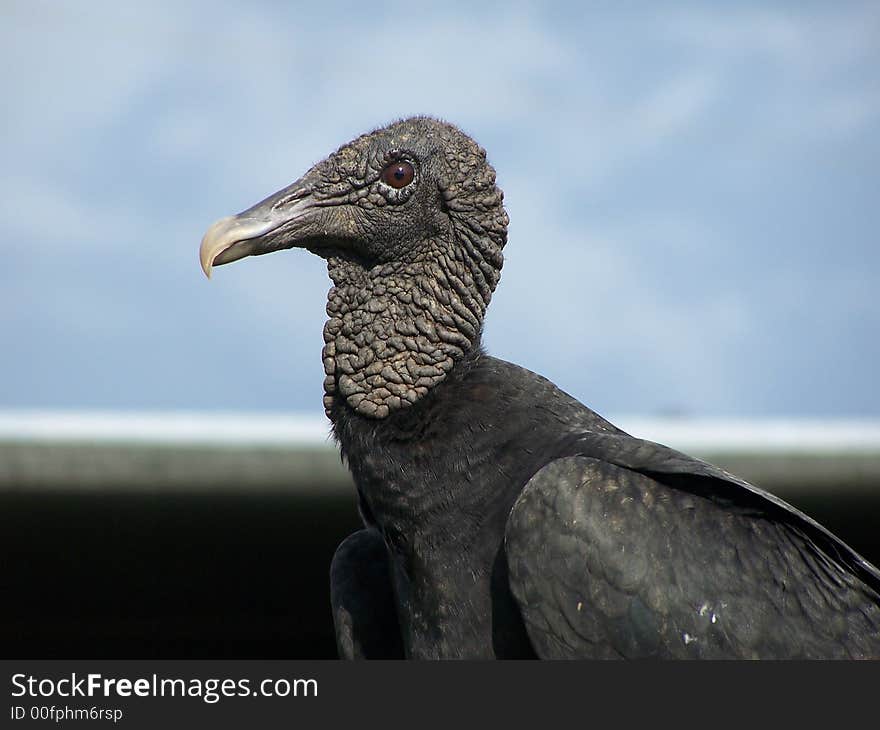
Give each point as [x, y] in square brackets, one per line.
[395, 330]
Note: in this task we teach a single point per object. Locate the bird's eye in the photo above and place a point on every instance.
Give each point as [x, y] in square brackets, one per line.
[398, 174]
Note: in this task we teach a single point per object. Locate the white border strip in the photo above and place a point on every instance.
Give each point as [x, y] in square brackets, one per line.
[291, 430]
[175, 427]
[770, 436]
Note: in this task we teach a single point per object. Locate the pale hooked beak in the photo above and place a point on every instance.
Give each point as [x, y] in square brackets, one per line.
[249, 233]
[229, 239]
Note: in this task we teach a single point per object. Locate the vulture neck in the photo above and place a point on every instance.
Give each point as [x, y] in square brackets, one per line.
[402, 344]
[394, 462]
[396, 330]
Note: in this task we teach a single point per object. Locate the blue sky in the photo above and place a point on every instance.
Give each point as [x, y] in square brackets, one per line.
[693, 193]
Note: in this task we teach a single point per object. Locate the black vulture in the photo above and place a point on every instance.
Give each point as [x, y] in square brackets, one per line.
[503, 518]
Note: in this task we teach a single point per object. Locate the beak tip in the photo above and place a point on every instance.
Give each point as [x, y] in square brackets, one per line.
[229, 239]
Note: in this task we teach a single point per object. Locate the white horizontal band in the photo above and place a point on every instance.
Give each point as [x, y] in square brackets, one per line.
[773, 435]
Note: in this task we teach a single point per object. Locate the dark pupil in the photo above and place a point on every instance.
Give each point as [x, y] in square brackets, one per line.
[398, 174]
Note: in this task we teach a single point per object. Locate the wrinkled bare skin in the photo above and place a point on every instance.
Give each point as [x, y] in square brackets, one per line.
[395, 330]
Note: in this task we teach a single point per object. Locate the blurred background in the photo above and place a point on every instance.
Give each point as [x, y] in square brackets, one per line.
[693, 252]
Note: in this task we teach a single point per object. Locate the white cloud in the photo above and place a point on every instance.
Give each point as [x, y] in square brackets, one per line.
[809, 56]
[671, 109]
[817, 39]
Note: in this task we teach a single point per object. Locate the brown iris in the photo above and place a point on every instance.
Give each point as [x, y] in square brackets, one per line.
[398, 174]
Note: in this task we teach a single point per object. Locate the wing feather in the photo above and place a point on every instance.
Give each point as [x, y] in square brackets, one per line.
[606, 561]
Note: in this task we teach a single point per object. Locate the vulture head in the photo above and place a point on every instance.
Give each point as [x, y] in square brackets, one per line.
[412, 227]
